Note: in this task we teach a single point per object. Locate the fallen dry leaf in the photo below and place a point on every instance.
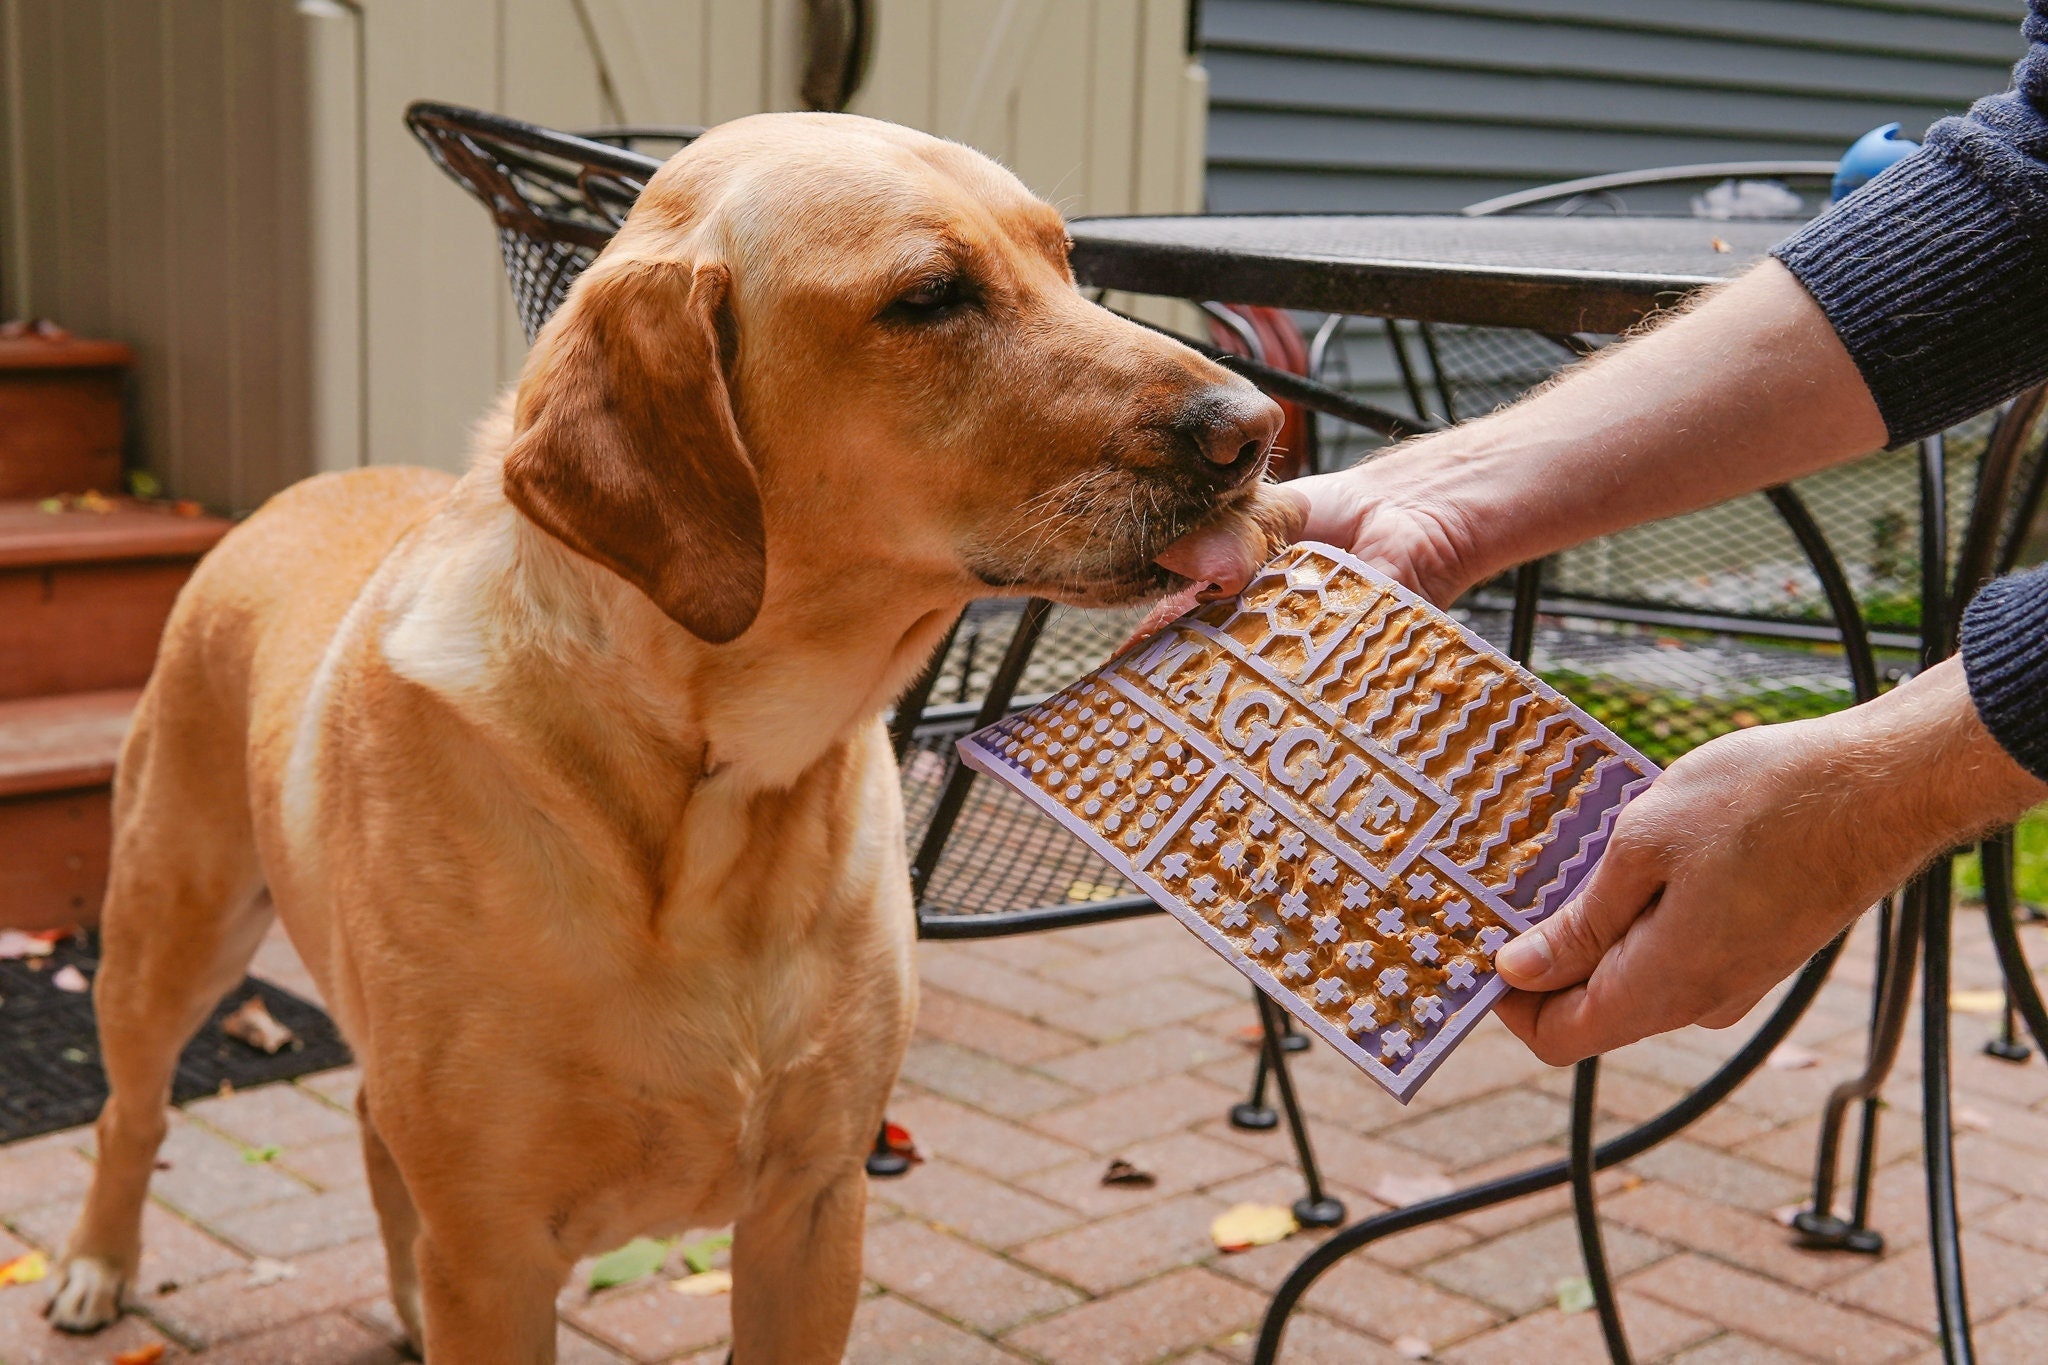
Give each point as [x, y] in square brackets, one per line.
[705, 1284]
[263, 1272]
[141, 1355]
[697, 1255]
[1791, 1057]
[1401, 1190]
[69, 978]
[636, 1260]
[1976, 1002]
[15, 944]
[897, 1139]
[1413, 1348]
[1574, 1294]
[252, 1023]
[1122, 1172]
[24, 1269]
[1244, 1226]
[1722, 246]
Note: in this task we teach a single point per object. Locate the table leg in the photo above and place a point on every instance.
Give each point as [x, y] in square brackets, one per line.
[1586, 1214]
[1944, 1232]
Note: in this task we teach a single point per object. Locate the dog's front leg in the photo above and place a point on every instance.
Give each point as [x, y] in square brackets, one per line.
[487, 1292]
[796, 1277]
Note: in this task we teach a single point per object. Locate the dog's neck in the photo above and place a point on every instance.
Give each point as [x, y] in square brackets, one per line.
[832, 647]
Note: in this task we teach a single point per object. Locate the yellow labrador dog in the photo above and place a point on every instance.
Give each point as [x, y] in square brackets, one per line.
[567, 778]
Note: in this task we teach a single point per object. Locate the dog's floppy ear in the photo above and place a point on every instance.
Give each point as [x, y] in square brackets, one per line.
[626, 449]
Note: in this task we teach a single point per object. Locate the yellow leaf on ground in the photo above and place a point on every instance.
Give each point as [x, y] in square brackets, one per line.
[1251, 1225]
[25, 1269]
[707, 1283]
[1976, 1002]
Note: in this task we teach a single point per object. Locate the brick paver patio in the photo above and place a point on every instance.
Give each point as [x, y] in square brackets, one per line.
[1036, 1061]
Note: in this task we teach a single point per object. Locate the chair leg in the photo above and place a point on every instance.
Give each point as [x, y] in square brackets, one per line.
[1818, 1225]
[1253, 1114]
[1315, 1208]
[1999, 900]
[883, 1160]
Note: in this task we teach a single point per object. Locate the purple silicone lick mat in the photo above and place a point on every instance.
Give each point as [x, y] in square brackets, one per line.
[1345, 793]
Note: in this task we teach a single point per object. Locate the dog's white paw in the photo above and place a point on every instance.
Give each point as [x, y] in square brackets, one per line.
[88, 1295]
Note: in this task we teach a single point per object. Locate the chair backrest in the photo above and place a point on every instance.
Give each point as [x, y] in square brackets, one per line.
[1653, 188]
[556, 198]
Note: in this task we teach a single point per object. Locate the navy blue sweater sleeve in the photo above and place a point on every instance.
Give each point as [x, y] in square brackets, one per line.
[1935, 275]
[2005, 657]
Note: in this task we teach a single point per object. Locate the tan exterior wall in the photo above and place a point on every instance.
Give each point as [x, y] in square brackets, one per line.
[228, 183]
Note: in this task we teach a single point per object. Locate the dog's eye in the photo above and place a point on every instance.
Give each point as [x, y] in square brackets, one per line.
[930, 299]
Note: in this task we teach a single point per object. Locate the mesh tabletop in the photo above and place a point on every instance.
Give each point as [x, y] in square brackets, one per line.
[1546, 273]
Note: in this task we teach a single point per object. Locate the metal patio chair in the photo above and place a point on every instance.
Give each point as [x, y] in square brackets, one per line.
[983, 862]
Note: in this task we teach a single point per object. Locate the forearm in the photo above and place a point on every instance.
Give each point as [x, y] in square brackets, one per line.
[1748, 389]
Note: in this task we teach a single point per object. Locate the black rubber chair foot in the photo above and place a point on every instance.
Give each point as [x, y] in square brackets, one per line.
[1823, 1233]
[1294, 1042]
[1256, 1118]
[2014, 1051]
[1318, 1213]
[887, 1164]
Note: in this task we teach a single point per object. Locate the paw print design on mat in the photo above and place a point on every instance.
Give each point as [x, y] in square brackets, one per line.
[1339, 789]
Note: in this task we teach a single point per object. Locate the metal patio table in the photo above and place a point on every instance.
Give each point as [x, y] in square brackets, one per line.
[1575, 278]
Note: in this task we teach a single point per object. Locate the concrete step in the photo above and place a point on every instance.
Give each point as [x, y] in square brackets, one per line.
[56, 763]
[84, 594]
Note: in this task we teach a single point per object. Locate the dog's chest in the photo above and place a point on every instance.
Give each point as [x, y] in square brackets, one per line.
[716, 1098]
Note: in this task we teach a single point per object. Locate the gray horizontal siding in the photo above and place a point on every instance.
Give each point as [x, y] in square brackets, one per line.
[1432, 104]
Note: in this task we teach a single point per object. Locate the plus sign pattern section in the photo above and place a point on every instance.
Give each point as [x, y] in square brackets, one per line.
[1351, 797]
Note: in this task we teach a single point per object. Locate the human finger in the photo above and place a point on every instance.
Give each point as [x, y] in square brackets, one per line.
[1565, 948]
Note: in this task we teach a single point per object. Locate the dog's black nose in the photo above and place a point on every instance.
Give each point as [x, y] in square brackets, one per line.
[1231, 429]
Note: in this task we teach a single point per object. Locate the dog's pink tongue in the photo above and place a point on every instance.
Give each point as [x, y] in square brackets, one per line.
[1216, 556]
[1213, 563]
[1169, 608]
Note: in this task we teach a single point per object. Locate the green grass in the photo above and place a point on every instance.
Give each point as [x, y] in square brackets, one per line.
[2032, 861]
[1662, 725]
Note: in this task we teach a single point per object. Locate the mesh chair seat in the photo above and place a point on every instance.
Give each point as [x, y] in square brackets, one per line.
[1002, 857]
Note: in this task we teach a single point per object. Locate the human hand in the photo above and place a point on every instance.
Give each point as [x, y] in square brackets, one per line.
[1747, 856]
[1392, 512]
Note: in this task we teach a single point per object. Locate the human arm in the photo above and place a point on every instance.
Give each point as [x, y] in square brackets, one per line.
[1750, 388]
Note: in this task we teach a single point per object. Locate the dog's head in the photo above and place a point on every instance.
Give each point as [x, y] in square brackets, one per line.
[823, 346]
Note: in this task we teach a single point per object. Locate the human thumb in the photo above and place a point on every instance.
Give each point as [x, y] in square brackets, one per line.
[1563, 950]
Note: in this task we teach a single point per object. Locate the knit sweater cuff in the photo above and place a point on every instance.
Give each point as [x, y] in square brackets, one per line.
[2005, 658]
[1935, 287]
